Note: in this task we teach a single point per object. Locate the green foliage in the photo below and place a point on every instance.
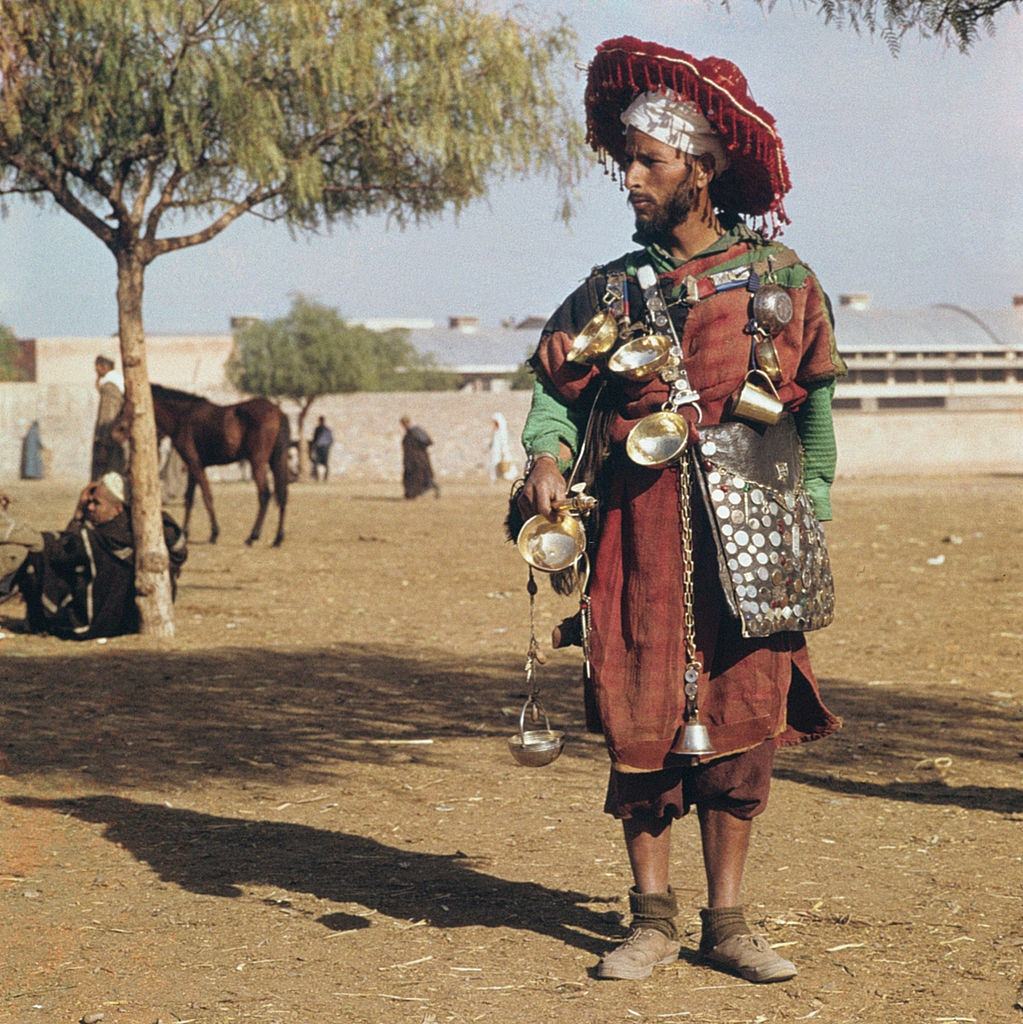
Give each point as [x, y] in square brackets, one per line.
[312, 352]
[955, 21]
[134, 113]
[8, 355]
[523, 378]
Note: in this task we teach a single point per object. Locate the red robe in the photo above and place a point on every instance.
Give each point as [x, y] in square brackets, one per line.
[750, 690]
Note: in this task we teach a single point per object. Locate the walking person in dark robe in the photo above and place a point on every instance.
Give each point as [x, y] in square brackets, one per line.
[319, 449]
[417, 472]
[108, 454]
[79, 583]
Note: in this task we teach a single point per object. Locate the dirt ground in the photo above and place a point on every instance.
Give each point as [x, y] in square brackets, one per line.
[303, 809]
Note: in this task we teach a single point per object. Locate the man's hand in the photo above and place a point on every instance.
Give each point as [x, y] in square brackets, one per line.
[544, 485]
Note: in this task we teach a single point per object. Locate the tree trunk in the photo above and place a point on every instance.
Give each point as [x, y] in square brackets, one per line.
[152, 575]
[304, 462]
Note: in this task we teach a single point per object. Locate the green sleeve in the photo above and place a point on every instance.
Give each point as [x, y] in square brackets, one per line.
[817, 433]
[549, 423]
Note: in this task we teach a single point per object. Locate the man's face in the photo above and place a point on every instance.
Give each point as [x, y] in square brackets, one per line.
[659, 180]
[100, 505]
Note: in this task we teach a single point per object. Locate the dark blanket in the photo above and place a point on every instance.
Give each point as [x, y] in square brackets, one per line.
[82, 584]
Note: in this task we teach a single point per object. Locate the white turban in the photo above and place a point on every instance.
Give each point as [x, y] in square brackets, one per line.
[115, 484]
[677, 123]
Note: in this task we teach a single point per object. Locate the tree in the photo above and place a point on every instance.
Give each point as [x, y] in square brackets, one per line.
[142, 118]
[313, 352]
[8, 354]
[955, 21]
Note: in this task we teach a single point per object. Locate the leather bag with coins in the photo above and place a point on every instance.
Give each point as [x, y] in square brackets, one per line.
[771, 553]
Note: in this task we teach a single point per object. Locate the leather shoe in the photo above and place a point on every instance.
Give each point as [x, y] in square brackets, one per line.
[636, 957]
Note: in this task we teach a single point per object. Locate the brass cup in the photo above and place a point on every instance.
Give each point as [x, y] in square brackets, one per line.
[641, 358]
[552, 546]
[766, 356]
[596, 338]
[658, 439]
[760, 404]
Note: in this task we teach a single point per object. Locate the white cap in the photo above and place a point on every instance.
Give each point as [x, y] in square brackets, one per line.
[677, 123]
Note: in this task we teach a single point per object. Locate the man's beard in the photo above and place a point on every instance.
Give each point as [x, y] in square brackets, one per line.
[657, 225]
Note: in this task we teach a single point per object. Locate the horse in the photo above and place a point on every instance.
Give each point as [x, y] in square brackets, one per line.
[205, 434]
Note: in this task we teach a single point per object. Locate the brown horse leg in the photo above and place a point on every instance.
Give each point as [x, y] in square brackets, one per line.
[207, 497]
[263, 491]
[189, 501]
[280, 471]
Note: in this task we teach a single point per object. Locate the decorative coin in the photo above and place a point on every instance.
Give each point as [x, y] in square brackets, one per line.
[739, 482]
[734, 498]
[738, 517]
[721, 512]
[710, 448]
[759, 540]
[745, 559]
[717, 495]
[774, 537]
[742, 537]
[727, 529]
[757, 495]
[762, 557]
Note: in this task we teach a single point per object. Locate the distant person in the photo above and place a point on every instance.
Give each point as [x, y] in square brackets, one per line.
[33, 466]
[417, 473]
[319, 448]
[108, 454]
[499, 465]
[79, 583]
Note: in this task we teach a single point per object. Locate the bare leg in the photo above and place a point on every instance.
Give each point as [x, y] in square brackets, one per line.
[725, 841]
[649, 854]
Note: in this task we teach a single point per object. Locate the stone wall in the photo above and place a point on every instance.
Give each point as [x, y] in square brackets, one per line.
[368, 435]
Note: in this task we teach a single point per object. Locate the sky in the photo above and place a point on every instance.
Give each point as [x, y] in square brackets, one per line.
[906, 185]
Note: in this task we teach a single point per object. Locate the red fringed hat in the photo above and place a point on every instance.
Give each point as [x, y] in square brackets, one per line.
[757, 177]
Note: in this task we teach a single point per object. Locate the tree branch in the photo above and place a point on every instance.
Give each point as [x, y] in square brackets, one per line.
[56, 185]
[157, 247]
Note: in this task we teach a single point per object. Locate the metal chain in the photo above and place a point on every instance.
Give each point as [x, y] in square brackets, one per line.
[532, 653]
[685, 518]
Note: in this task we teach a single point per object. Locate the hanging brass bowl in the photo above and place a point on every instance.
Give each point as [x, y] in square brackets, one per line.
[658, 439]
[551, 546]
[596, 338]
[535, 747]
[766, 356]
[772, 308]
[641, 358]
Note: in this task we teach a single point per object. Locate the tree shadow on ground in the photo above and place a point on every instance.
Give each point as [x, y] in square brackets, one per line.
[136, 718]
[217, 856]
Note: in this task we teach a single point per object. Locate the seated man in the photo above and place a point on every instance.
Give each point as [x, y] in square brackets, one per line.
[79, 583]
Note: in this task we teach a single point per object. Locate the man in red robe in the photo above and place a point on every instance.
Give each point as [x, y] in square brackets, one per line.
[697, 155]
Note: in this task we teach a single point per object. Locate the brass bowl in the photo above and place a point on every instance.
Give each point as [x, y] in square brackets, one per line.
[552, 546]
[766, 356]
[535, 748]
[772, 308]
[596, 338]
[658, 439]
[641, 358]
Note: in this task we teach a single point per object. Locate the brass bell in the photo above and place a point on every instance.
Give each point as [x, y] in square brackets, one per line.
[756, 403]
[658, 439]
[641, 358]
[695, 740]
[552, 545]
[596, 338]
